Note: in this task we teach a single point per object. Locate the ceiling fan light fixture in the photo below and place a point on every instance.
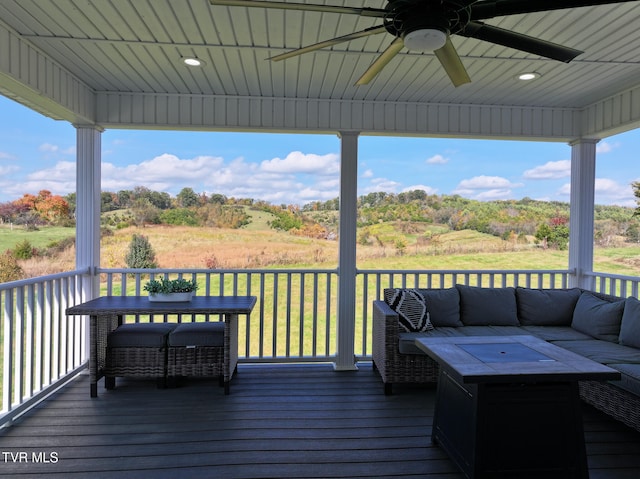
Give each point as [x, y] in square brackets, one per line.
[192, 61]
[425, 39]
[528, 76]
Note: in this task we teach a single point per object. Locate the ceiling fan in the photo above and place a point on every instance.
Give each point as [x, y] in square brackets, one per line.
[427, 26]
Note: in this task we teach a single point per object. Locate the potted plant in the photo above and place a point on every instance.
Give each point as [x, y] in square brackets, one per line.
[164, 289]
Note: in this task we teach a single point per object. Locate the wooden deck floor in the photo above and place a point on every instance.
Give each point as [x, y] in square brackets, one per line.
[280, 421]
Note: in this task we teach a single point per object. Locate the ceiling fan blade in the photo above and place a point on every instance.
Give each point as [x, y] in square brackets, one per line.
[329, 43]
[365, 12]
[448, 57]
[499, 8]
[380, 62]
[525, 43]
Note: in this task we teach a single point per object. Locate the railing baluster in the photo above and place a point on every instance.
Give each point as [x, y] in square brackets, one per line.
[29, 344]
[7, 373]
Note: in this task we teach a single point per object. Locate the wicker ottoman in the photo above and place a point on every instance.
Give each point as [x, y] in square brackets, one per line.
[198, 350]
[137, 350]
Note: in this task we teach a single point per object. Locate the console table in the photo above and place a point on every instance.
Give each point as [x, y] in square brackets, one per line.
[106, 314]
[509, 406]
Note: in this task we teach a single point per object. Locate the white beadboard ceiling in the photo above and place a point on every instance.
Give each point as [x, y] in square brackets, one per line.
[135, 46]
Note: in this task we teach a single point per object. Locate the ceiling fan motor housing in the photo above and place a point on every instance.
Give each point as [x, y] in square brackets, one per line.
[407, 16]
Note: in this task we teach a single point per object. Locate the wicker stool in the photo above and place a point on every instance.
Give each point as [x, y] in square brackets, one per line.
[137, 350]
[197, 350]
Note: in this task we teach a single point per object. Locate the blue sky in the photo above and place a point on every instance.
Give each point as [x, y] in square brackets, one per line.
[37, 153]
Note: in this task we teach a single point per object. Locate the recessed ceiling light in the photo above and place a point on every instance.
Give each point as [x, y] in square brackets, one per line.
[193, 62]
[528, 76]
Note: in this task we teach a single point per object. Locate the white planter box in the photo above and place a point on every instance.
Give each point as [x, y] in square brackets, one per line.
[171, 297]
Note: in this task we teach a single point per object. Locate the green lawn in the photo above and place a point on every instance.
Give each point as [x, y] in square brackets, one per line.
[41, 238]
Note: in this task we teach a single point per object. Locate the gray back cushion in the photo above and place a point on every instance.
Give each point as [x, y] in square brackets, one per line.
[546, 307]
[630, 326]
[443, 306]
[488, 306]
[598, 317]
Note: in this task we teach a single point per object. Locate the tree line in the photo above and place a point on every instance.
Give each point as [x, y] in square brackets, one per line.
[546, 220]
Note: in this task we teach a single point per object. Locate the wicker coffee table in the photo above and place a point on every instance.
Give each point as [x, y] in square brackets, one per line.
[106, 314]
[508, 406]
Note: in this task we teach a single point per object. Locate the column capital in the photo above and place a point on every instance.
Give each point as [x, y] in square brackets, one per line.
[343, 134]
[584, 141]
[88, 126]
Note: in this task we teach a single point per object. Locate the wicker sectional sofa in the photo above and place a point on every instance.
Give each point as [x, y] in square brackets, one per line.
[603, 328]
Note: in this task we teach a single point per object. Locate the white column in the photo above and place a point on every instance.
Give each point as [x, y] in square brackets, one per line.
[583, 174]
[88, 174]
[347, 253]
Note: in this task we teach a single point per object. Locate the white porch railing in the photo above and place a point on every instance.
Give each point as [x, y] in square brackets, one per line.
[41, 347]
[295, 318]
[615, 284]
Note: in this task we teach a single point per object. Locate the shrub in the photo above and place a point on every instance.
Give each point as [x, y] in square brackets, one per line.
[10, 270]
[24, 250]
[179, 217]
[212, 262]
[140, 254]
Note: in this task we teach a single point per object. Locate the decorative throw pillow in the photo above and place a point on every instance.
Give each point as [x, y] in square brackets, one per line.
[488, 306]
[546, 307]
[411, 308]
[598, 317]
[630, 326]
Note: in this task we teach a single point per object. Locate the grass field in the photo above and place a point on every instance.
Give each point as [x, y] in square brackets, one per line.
[41, 238]
[257, 246]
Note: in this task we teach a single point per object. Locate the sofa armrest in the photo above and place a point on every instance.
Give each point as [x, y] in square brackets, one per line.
[386, 334]
[385, 318]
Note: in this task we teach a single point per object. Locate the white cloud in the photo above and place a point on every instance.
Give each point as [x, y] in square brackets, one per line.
[606, 147]
[367, 174]
[550, 171]
[486, 187]
[607, 191]
[493, 194]
[610, 191]
[381, 184]
[298, 162]
[297, 179]
[565, 190]
[59, 179]
[486, 182]
[6, 156]
[5, 170]
[437, 160]
[48, 147]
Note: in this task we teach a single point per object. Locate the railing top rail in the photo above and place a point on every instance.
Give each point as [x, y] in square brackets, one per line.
[210, 271]
[40, 279]
[465, 271]
[612, 276]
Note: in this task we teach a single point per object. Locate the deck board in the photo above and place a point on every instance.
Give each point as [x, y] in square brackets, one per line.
[280, 421]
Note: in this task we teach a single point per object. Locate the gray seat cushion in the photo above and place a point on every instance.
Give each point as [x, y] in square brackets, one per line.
[603, 352]
[555, 333]
[630, 379]
[143, 335]
[198, 334]
[492, 331]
